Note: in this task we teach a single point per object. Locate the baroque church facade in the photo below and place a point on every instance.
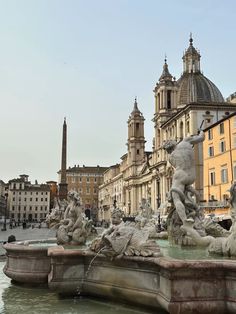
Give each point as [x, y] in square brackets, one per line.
[182, 107]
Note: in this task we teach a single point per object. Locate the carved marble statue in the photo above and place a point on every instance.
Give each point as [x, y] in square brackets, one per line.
[220, 245]
[182, 195]
[53, 219]
[182, 159]
[74, 227]
[124, 239]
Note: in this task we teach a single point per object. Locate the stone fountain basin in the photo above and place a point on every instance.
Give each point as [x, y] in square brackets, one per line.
[178, 286]
[28, 261]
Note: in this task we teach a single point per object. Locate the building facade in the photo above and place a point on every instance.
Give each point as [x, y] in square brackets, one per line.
[219, 151]
[181, 108]
[86, 180]
[28, 201]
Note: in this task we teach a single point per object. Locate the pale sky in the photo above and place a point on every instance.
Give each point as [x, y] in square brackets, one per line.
[86, 61]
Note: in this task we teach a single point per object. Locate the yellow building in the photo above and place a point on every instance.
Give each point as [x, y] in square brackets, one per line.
[219, 153]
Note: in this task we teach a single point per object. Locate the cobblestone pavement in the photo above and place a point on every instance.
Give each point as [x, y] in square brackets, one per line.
[26, 234]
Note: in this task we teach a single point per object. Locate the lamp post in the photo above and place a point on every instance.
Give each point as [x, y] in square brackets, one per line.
[5, 214]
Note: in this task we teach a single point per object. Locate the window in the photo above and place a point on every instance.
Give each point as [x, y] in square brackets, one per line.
[221, 128]
[168, 99]
[41, 193]
[19, 207]
[137, 126]
[25, 199]
[181, 130]
[14, 193]
[13, 198]
[95, 179]
[234, 170]
[210, 134]
[46, 199]
[234, 140]
[137, 151]
[31, 199]
[224, 175]
[187, 127]
[87, 179]
[80, 179]
[212, 178]
[41, 199]
[30, 208]
[13, 207]
[222, 146]
[36, 199]
[24, 208]
[88, 190]
[94, 190]
[36, 207]
[210, 151]
[41, 208]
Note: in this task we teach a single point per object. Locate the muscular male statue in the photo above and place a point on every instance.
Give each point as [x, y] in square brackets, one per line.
[182, 159]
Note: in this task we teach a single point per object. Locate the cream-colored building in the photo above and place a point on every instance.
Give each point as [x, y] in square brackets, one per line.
[28, 201]
[181, 107]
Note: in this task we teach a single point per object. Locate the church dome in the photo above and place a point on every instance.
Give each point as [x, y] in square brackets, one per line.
[195, 87]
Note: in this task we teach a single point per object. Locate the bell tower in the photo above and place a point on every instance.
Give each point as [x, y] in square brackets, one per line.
[136, 141]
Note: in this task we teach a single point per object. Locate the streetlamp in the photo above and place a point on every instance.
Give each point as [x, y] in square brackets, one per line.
[5, 214]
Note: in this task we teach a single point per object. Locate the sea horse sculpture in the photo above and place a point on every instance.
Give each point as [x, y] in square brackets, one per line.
[124, 239]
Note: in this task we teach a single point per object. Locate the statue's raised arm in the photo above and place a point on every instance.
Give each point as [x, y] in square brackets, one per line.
[195, 139]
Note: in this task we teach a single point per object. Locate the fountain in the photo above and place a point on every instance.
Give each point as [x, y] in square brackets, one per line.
[124, 264]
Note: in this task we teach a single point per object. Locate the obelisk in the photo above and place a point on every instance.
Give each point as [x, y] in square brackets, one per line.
[63, 185]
